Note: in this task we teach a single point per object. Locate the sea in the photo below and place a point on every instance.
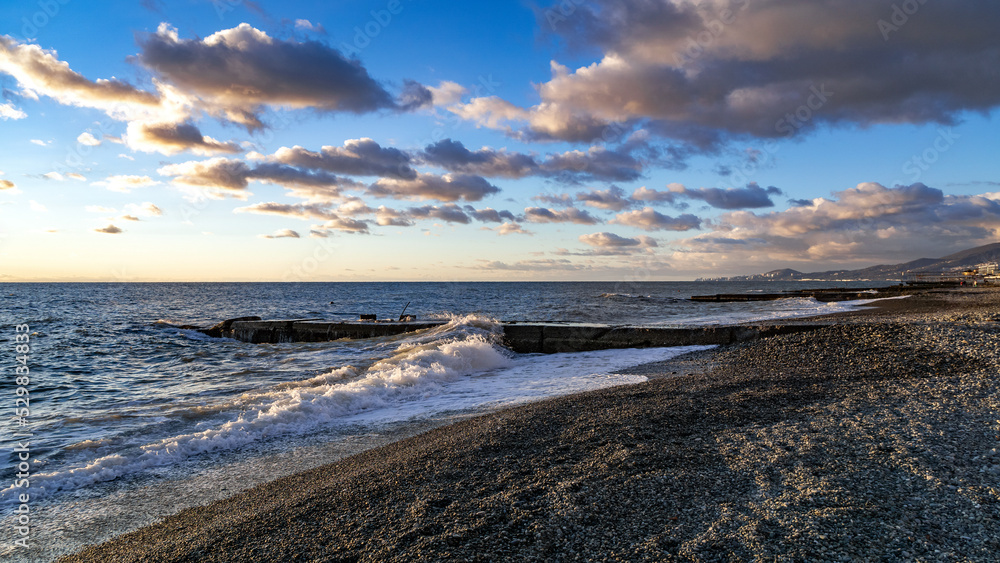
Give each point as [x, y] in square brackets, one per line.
[126, 416]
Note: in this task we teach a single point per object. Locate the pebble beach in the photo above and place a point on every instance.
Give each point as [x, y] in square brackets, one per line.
[875, 438]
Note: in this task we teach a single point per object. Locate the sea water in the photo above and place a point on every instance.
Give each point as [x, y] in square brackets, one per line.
[132, 417]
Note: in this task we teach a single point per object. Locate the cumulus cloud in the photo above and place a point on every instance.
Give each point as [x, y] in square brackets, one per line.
[447, 93]
[296, 210]
[490, 215]
[172, 138]
[344, 224]
[656, 196]
[76, 176]
[8, 111]
[88, 139]
[358, 157]
[689, 70]
[612, 198]
[596, 163]
[609, 244]
[453, 155]
[387, 216]
[223, 176]
[7, 185]
[448, 212]
[41, 72]
[651, 220]
[110, 230]
[237, 71]
[283, 233]
[868, 223]
[510, 228]
[750, 197]
[449, 187]
[144, 209]
[568, 215]
[126, 183]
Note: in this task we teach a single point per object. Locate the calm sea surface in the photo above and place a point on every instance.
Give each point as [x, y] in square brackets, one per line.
[132, 418]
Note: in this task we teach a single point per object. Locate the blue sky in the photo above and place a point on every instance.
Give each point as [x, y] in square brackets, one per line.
[416, 140]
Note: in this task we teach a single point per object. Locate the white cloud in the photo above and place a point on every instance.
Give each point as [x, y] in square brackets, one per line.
[87, 139]
[126, 183]
[8, 111]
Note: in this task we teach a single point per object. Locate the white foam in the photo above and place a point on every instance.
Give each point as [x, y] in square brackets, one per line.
[421, 367]
[456, 367]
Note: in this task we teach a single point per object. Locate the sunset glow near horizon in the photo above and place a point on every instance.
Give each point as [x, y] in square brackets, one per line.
[203, 140]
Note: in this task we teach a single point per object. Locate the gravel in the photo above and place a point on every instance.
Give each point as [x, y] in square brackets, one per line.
[875, 438]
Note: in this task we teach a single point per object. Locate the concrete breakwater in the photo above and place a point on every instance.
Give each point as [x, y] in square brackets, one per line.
[522, 337]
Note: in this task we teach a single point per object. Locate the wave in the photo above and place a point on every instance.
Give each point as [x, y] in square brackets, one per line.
[419, 367]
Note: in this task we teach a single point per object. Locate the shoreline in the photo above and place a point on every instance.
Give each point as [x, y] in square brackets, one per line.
[761, 449]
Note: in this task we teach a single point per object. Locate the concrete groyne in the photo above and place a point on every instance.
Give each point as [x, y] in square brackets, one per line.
[523, 337]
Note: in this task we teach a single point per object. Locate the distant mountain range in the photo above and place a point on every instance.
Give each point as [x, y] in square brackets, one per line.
[960, 260]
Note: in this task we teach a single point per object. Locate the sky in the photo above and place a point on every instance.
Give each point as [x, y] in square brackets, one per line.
[638, 140]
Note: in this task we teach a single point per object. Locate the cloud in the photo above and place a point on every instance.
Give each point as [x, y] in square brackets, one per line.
[172, 138]
[656, 196]
[99, 209]
[750, 197]
[447, 93]
[449, 187]
[688, 70]
[7, 185]
[126, 183]
[283, 233]
[89, 140]
[222, 176]
[76, 176]
[309, 26]
[386, 216]
[8, 111]
[541, 265]
[235, 72]
[358, 157]
[54, 176]
[610, 244]
[869, 223]
[110, 229]
[596, 163]
[453, 156]
[448, 212]
[344, 224]
[144, 209]
[489, 215]
[41, 72]
[611, 198]
[297, 210]
[37, 207]
[40, 142]
[129, 218]
[569, 215]
[651, 220]
[511, 228]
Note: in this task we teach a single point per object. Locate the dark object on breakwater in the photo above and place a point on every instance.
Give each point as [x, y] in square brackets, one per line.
[224, 329]
[824, 295]
[369, 317]
[520, 337]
